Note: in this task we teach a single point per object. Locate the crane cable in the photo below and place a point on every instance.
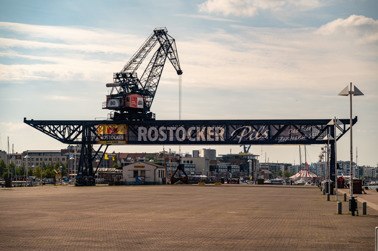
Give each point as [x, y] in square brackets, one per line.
[180, 104]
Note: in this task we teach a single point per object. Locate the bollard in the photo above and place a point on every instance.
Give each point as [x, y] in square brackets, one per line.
[323, 191]
[344, 196]
[327, 196]
[364, 208]
[376, 238]
[353, 205]
[339, 207]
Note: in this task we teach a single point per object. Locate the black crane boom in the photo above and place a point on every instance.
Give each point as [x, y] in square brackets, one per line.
[132, 97]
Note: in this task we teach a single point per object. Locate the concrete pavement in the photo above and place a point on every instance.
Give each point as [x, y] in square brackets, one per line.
[179, 217]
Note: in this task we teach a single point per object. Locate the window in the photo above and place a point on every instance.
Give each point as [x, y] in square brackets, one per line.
[135, 173]
[142, 172]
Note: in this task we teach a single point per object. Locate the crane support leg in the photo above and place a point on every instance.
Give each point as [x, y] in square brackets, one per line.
[85, 175]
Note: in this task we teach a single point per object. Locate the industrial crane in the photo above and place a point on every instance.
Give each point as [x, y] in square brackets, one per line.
[131, 97]
[134, 124]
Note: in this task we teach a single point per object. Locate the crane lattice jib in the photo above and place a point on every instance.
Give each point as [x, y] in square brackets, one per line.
[136, 60]
[128, 89]
[169, 45]
[151, 76]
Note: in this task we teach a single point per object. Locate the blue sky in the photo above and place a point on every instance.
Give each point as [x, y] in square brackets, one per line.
[242, 59]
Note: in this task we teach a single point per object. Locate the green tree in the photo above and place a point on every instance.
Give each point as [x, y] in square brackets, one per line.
[20, 171]
[12, 169]
[116, 165]
[286, 174]
[37, 172]
[7, 175]
[30, 172]
[65, 169]
[150, 157]
[47, 173]
[3, 167]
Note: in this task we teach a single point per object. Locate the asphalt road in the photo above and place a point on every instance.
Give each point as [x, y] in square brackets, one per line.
[179, 217]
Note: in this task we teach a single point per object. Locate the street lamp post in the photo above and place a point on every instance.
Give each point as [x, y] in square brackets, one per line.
[347, 91]
[72, 167]
[26, 175]
[61, 174]
[250, 169]
[31, 181]
[323, 156]
[334, 122]
[41, 170]
[328, 137]
[319, 170]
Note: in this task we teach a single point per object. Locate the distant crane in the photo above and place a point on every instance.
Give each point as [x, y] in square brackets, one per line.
[130, 97]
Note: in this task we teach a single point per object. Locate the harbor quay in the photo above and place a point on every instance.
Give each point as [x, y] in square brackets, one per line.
[180, 217]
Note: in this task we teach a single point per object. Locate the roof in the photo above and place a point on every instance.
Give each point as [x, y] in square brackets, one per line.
[145, 163]
[109, 170]
[304, 173]
[130, 156]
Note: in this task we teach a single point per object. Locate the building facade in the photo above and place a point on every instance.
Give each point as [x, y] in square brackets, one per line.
[34, 158]
[4, 156]
[200, 165]
[140, 173]
[210, 154]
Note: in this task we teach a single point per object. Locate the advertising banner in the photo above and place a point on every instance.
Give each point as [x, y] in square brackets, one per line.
[112, 134]
[244, 133]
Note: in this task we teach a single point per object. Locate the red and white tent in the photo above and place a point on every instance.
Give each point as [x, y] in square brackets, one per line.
[304, 173]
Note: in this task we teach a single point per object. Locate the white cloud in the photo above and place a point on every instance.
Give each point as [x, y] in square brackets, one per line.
[62, 53]
[211, 18]
[68, 35]
[273, 58]
[361, 28]
[55, 97]
[6, 43]
[248, 8]
[228, 7]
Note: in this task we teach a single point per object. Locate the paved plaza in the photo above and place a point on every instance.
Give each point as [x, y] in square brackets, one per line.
[180, 217]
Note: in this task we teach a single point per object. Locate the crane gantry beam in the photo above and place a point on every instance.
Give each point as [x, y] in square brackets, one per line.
[192, 132]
